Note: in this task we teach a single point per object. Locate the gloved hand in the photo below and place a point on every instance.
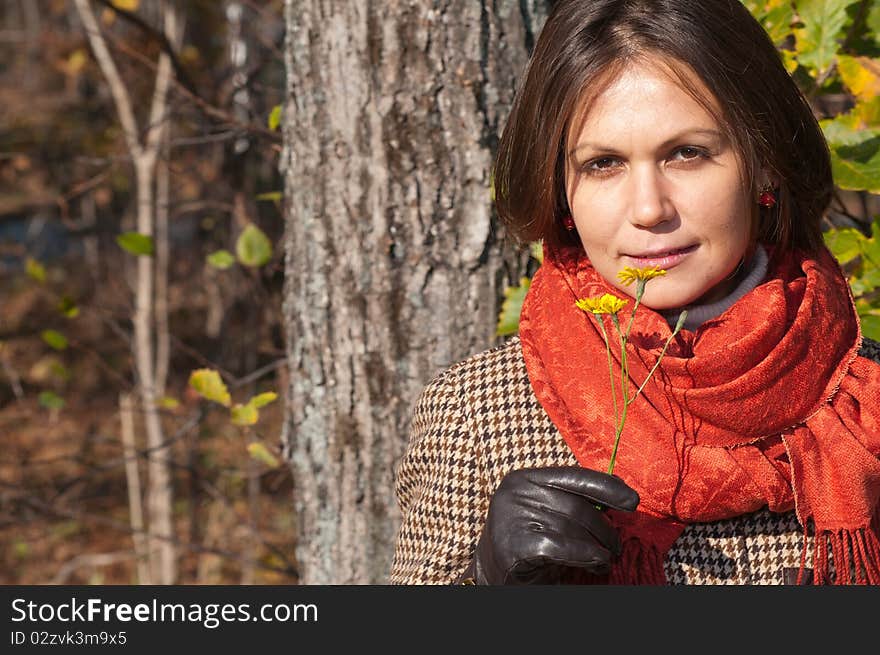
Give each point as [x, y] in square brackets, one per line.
[542, 520]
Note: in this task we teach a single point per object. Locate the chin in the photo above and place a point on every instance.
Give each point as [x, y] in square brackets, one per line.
[665, 301]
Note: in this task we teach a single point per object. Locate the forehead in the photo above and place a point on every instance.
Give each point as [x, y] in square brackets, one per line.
[648, 90]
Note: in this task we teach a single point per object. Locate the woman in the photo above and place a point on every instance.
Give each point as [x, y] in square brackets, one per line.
[657, 133]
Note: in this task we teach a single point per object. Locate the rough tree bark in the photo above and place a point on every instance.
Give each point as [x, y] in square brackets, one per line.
[394, 263]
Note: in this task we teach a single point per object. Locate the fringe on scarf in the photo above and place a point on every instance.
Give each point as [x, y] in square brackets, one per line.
[843, 557]
[638, 564]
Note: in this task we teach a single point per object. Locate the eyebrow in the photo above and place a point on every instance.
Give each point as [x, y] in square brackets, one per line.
[668, 142]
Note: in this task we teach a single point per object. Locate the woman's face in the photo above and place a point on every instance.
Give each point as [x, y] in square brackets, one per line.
[652, 181]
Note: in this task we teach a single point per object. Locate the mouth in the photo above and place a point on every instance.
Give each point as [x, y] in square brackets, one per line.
[664, 259]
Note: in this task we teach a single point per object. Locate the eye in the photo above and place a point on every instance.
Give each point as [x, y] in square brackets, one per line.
[689, 153]
[601, 165]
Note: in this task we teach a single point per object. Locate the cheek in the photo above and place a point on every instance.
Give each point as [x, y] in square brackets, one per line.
[724, 211]
[595, 215]
[738, 220]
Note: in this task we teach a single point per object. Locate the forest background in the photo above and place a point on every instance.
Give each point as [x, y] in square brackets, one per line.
[238, 236]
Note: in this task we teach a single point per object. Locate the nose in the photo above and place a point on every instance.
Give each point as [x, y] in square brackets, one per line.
[651, 204]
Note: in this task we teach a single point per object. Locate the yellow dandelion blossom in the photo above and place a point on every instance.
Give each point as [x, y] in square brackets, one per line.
[604, 304]
[629, 274]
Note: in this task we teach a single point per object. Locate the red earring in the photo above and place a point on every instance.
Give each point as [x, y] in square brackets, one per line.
[568, 222]
[768, 197]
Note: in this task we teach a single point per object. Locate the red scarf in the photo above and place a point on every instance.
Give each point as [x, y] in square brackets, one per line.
[767, 405]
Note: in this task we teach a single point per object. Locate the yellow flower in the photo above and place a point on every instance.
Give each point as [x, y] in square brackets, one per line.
[629, 274]
[604, 304]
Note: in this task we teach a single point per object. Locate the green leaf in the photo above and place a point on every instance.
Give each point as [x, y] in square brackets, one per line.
[244, 414]
[872, 23]
[870, 248]
[259, 452]
[60, 371]
[275, 118]
[208, 384]
[221, 259]
[823, 22]
[867, 282]
[855, 153]
[843, 243]
[508, 318]
[857, 167]
[67, 306]
[273, 196]
[789, 60]
[253, 247]
[777, 19]
[844, 130]
[263, 399]
[35, 270]
[755, 8]
[135, 243]
[871, 326]
[54, 339]
[50, 400]
[537, 251]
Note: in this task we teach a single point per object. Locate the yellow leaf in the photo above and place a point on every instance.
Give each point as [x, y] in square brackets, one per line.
[789, 60]
[44, 370]
[861, 75]
[210, 385]
[76, 61]
[263, 399]
[275, 117]
[259, 452]
[190, 54]
[35, 270]
[865, 115]
[244, 414]
[126, 5]
[167, 402]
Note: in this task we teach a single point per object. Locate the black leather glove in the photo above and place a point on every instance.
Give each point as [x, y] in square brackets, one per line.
[543, 520]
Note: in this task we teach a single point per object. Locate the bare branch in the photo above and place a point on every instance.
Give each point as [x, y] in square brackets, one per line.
[133, 480]
[164, 40]
[111, 72]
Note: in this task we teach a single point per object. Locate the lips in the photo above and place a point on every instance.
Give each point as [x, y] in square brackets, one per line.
[663, 258]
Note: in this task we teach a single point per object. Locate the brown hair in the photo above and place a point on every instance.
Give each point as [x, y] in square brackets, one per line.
[584, 42]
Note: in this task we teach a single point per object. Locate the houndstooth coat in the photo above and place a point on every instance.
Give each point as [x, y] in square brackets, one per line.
[478, 420]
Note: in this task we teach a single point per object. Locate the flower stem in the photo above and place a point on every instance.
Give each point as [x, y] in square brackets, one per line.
[617, 434]
[610, 369]
[678, 325]
[640, 291]
[624, 391]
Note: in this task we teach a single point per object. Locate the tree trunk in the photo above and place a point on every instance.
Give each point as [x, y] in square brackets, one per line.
[394, 264]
